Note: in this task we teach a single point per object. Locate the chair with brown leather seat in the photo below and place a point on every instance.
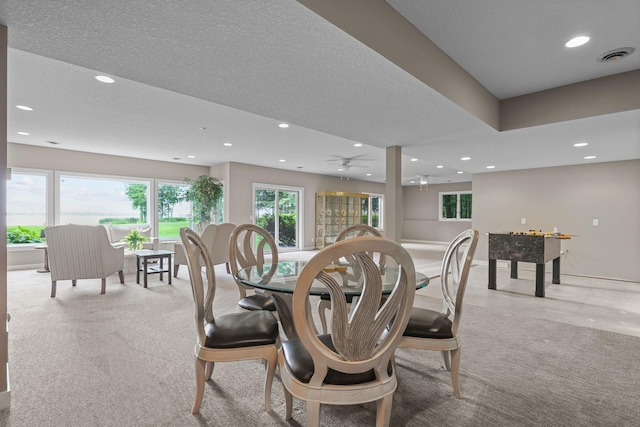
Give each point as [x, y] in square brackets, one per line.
[433, 330]
[253, 246]
[353, 364]
[231, 337]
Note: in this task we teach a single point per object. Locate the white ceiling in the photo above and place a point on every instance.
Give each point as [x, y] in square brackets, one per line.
[240, 68]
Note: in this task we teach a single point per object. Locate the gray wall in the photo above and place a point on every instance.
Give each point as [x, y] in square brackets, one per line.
[569, 198]
[421, 213]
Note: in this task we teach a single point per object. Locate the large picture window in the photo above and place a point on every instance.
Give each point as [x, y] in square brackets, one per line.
[93, 200]
[455, 206]
[27, 205]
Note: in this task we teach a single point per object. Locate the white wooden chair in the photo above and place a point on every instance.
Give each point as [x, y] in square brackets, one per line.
[357, 230]
[433, 330]
[253, 246]
[353, 364]
[82, 252]
[231, 337]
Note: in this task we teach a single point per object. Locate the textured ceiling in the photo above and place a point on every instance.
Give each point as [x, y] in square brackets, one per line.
[238, 68]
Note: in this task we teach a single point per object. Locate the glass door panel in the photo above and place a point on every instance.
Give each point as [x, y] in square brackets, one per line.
[288, 219]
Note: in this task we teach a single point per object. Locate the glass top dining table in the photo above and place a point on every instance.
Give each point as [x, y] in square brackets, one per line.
[281, 282]
[286, 273]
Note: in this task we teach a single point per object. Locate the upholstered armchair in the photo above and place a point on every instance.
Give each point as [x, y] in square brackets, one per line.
[216, 239]
[82, 252]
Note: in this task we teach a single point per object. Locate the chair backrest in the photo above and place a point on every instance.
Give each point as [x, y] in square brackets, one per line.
[359, 230]
[198, 256]
[453, 275]
[252, 246]
[81, 252]
[359, 334]
[216, 237]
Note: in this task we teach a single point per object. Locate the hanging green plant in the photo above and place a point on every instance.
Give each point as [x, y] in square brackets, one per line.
[204, 193]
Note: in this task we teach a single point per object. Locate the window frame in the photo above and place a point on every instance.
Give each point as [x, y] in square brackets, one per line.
[458, 195]
[380, 198]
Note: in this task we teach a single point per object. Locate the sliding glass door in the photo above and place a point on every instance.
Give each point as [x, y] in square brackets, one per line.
[277, 210]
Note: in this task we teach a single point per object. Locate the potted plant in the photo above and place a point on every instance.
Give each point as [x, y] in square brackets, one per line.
[204, 193]
[135, 240]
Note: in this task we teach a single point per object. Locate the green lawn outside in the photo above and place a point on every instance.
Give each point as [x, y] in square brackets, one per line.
[168, 230]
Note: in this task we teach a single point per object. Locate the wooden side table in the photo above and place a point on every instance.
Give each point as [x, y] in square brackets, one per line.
[142, 264]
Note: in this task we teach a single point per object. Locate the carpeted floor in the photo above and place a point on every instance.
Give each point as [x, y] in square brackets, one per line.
[125, 359]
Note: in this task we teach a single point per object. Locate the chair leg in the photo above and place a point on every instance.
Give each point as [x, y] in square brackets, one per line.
[104, 286]
[74, 282]
[208, 370]
[175, 270]
[200, 368]
[288, 402]
[313, 413]
[271, 371]
[446, 356]
[53, 289]
[455, 366]
[121, 275]
[383, 411]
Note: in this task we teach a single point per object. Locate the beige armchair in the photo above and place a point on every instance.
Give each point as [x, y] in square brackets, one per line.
[216, 238]
[82, 252]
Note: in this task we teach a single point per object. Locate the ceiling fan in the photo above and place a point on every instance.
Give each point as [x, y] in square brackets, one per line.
[345, 163]
[425, 180]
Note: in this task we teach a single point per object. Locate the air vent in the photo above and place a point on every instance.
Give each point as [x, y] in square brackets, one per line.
[615, 54]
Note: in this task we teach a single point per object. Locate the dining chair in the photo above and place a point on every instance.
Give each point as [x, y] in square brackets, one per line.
[352, 364]
[357, 230]
[433, 330]
[231, 337]
[253, 246]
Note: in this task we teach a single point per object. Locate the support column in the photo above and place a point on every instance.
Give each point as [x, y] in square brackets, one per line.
[5, 394]
[393, 195]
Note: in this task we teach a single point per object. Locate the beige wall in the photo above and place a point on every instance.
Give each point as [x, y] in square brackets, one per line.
[569, 198]
[30, 156]
[421, 213]
[241, 178]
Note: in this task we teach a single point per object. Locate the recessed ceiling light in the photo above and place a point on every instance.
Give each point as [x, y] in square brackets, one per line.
[589, 157]
[460, 172]
[23, 133]
[191, 157]
[282, 160]
[368, 174]
[414, 160]
[283, 125]
[228, 144]
[491, 167]
[439, 166]
[580, 144]
[465, 158]
[24, 107]
[104, 79]
[340, 169]
[357, 144]
[577, 41]
[412, 182]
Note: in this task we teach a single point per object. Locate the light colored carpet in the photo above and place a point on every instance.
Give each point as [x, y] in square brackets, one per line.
[125, 359]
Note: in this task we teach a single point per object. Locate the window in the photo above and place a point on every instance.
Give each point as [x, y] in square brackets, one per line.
[27, 205]
[93, 200]
[455, 206]
[372, 211]
[173, 211]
